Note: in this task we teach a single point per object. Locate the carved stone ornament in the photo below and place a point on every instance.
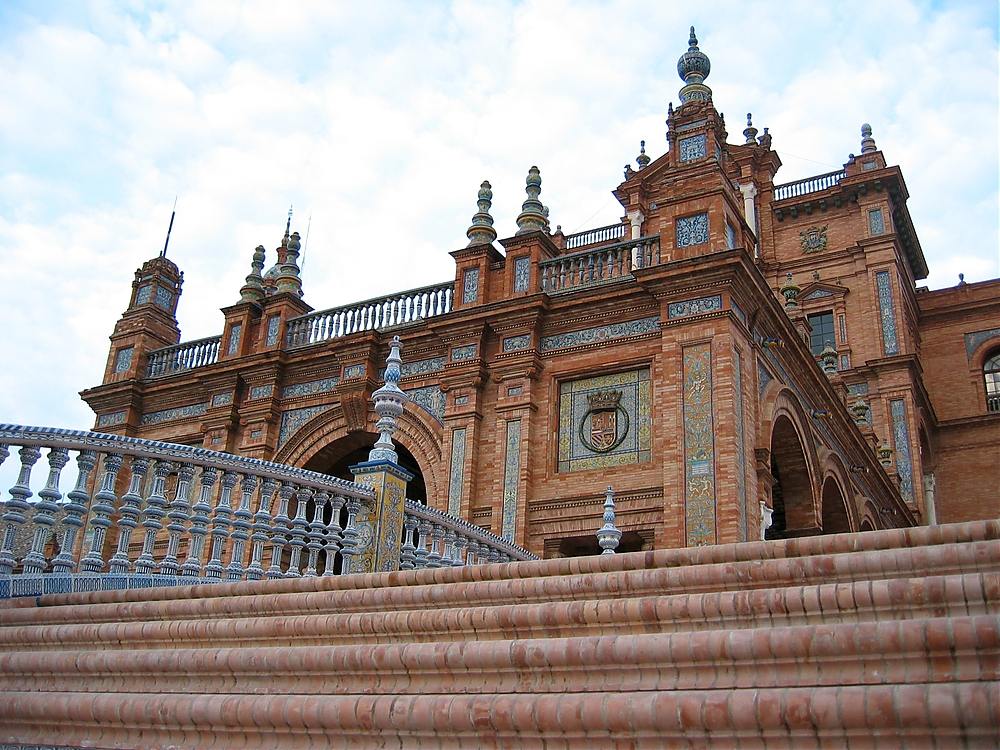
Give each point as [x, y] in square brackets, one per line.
[813, 239]
[608, 422]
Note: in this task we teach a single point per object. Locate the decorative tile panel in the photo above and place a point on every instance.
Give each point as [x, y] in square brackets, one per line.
[516, 343]
[845, 361]
[261, 391]
[692, 230]
[601, 333]
[763, 378]
[470, 285]
[901, 438]
[876, 224]
[222, 399]
[115, 417]
[842, 322]
[741, 466]
[730, 236]
[694, 307]
[354, 371]
[430, 399]
[887, 313]
[738, 311]
[421, 366]
[311, 388]
[522, 273]
[461, 353]
[461, 400]
[234, 338]
[123, 359]
[181, 412]
[511, 479]
[515, 390]
[273, 323]
[868, 166]
[696, 125]
[699, 446]
[457, 475]
[857, 389]
[164, 298]
[605, 421]
[818, 294]
[144, 294]
[693, 147]
[293, 419]
[975, 339]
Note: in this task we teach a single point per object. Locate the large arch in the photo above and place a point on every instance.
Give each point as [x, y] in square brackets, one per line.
[836, 515]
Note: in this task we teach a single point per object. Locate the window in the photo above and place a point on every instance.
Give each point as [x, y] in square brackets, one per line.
[991, 375]
[822, 331]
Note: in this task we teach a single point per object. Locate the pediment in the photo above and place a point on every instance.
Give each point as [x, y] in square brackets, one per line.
[821, 290]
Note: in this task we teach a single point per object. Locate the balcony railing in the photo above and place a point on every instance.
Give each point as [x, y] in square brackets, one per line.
[598, 266]
[808, 185]
[206, 517]
[184, 356]
[993, 403]
[381, 312]
[609, 233]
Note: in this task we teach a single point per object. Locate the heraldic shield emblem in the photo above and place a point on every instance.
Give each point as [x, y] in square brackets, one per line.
[813, 239]
[605, 424]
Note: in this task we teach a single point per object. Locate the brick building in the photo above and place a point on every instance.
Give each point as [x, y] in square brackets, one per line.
[736, 357]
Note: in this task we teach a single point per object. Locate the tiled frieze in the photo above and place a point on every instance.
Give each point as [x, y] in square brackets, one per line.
[901, 438]
[311, 388]
[457, 473]
[354, 371]
[293, 419]
[222, 399]
[115, 417]
[699, 446]
[431, 399]
[511, 478]
[522, 273]
[462, 353]
[692, 230]
[694, 307]
[605, 421]
[693, 147]
[421, 366]
[741, 470]
[516, 343]
[181, 412]
[818, 294]
[601, 333]
[261, 391]
[887, 313]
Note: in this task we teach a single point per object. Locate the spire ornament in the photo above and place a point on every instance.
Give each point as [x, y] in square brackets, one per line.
[481, 231]
[288, 272]
[532, 217]
[642, 159]
[693, 67]
[867, 142]
[609, 535]
[389, 402]
[750, 133]
[253, 290]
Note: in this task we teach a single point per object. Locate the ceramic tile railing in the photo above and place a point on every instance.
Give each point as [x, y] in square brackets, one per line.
[598, 266]
[184, 356]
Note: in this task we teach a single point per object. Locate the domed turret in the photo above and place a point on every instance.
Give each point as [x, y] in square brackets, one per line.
[693, 67]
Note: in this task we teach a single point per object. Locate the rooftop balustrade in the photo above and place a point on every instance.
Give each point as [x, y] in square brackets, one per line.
[184, 356]
[609, 233]
[205, 517]
[598, 266]
[808, 185]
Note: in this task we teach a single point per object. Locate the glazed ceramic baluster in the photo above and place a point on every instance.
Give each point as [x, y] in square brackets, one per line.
[152, 517]
[423, 543]
[350, 549]
[316, 527]
[299, 530]
[221, 520]
[261, 527]
[406, 556]
[178, 516]
[100, 518]
[16, 508]
[128, 515]
[279, 534]
[45, 513]
[199, 523]
[334, 535]
[76, 508]
[241, 527]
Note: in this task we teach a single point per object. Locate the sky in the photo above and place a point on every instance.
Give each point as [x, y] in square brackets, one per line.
[378, 120]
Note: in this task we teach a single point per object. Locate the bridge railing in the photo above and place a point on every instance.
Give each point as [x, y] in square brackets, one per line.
[144, 513]
[184, 356]
[598, 266]
[381, 312]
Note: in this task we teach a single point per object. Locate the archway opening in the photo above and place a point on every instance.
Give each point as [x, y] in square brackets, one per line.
[791, 494]
[835, 516]
[866, 525]
[336, 459]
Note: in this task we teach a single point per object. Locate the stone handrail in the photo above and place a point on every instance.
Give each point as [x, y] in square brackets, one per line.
[598, 266]
[213, 510]
[377, 313]
[435, 539]
[186, 355]
[600, 234]
[808, 185]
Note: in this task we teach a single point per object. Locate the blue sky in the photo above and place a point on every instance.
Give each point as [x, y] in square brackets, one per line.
[380, 119]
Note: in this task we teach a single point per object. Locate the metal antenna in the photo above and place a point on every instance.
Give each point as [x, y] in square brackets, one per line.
[167, 242]
[302, 258]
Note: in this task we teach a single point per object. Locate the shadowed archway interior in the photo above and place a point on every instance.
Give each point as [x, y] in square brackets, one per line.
[791, 494]
[336, 459]
[835, 516]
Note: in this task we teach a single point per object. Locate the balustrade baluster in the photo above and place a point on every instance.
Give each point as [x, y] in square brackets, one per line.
[435, 555]
[261, 527]
[423, 543]
[459, 547]
[221, 521]
[241, 527]
[74, 512]
[100, 517]
[334, 535]
[178, 516]
[16, 508]
[129, 512]
[299, 531]
[448, 558]
[152, 517]
[199, 523]
[45, 513]
[316, 528]
[406, 556]
[350, 548]
[280, 529]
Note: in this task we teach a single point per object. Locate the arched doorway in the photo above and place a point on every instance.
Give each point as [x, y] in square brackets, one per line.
[336, 458]
[835, 516]
[791, 494]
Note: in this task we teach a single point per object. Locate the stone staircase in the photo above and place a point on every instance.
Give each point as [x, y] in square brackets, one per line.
[882, 639]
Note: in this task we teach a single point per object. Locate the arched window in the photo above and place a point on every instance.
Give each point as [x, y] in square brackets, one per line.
[991, 375]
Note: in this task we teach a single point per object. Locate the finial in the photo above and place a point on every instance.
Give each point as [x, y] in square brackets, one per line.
[961, 279]
[750, 133]
[532, 217]
[693, 67]
[815, 275]
[173, 213]
[642, 160]
[288, 224]
[389, 401]
[765, 139]
[790, 290]
[253, 290]
[481, 231]
[629, 171]
[288, 271]
[609, 535]
[867, 142]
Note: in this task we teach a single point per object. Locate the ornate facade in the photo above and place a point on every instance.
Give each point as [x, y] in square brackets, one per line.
[736, 357]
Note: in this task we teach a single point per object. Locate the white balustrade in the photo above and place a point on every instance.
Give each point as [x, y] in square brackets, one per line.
[599, 265]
